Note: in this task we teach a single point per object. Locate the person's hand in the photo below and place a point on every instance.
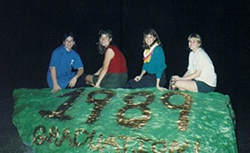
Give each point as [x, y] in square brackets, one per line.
[56, 88]
[97, 86]
[137, 78]
[72, 82]
[160, 88]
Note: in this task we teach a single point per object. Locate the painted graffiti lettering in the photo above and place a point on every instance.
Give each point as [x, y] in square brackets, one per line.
[99, 104]
[102, 143]
[60, 111]
[146, 113]
[58, 138]
[135, 122]
[185, 108]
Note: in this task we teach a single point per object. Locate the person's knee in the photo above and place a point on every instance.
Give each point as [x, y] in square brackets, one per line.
[178, 84]
[89, 78]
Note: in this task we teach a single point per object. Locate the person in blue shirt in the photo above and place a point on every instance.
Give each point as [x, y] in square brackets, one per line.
[65, 66]
[153, 70]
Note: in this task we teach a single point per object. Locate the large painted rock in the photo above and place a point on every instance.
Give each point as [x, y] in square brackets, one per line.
[86, 120]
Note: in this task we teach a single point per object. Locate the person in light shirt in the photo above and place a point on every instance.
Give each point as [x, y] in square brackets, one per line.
[200, 75]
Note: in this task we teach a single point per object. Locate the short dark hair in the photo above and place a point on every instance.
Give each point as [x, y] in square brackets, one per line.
[106, 32]
[69, 34]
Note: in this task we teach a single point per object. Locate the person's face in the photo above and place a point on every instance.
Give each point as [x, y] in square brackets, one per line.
[193, 44]
[149, 39]
[69, 43]
[105, 40]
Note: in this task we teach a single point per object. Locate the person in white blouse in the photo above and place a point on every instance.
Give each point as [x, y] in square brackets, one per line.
[200, 75]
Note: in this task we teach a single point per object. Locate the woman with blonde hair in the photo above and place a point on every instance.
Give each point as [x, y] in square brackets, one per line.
[200, 75]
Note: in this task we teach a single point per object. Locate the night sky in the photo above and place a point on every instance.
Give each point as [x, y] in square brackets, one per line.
[31, 29]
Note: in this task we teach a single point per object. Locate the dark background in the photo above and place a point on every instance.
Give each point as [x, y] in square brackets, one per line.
[31, 29]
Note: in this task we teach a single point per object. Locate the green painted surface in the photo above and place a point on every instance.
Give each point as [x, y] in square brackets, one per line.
[124, 120]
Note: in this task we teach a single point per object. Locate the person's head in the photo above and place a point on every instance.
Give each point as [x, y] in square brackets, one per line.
[68, 40]
[105, 39]
[194, 42]
[150, 37]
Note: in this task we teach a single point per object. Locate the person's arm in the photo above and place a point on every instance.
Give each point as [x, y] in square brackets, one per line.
[159, 64]
[158, 82]
[188, 76]
[177, 77]
[191, 76]
[158, 79]
[56, 87]
[109, 54]
[138, 78]
[98, 72]
[73, 81]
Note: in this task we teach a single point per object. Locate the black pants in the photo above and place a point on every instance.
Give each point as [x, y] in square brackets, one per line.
[148, 80]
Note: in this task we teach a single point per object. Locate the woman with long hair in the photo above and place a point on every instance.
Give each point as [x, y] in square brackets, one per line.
[153, 70]
[113, 73]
